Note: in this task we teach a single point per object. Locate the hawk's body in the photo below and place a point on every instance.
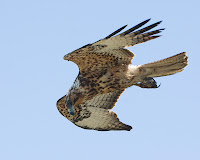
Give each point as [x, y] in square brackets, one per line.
[105, 71]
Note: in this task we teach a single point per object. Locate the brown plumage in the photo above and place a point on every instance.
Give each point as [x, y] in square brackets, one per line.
[105, 71]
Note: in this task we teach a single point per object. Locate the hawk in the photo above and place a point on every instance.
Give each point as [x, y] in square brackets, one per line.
[105, 71]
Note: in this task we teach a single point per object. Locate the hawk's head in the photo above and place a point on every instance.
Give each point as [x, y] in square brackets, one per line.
[62, 108]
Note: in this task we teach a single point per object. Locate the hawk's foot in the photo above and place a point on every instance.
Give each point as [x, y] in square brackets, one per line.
[148, 82]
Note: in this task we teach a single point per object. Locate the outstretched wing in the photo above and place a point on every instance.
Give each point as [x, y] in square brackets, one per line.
[100, 117]
[110, 51]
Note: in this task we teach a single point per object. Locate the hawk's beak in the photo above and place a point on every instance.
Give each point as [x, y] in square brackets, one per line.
[71, 109]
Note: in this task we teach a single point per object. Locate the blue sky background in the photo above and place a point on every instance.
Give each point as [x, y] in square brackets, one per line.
[34, 37]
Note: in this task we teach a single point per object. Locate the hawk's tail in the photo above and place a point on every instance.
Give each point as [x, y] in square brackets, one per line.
[163, 67]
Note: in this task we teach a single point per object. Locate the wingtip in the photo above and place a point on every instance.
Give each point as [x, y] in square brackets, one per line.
[124, 26]
[162, 29]
[157, 36]
[115, 32]
[148, 19]
[129, 128]
[157, 23]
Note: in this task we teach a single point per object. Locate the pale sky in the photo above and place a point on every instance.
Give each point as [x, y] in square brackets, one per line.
[34, 37]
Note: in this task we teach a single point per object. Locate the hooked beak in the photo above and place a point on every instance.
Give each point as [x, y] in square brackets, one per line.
[71, 109]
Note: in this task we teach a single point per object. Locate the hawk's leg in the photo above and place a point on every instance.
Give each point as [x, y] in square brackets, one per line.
[147, 82]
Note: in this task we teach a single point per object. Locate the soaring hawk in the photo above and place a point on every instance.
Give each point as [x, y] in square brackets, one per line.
[105, 71]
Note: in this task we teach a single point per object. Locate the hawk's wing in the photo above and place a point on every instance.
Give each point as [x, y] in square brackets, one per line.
[110, 51]
[102, 120]
[100, 117]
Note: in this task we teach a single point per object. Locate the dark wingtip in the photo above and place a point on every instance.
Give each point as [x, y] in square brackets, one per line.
[115, 32]
[159, 22]
[162, 29]
[148, 20]
[135, 27]
[129, 128]
[123, 27]
[156, 36]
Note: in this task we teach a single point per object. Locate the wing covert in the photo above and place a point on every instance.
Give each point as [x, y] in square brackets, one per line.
[106, 101]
